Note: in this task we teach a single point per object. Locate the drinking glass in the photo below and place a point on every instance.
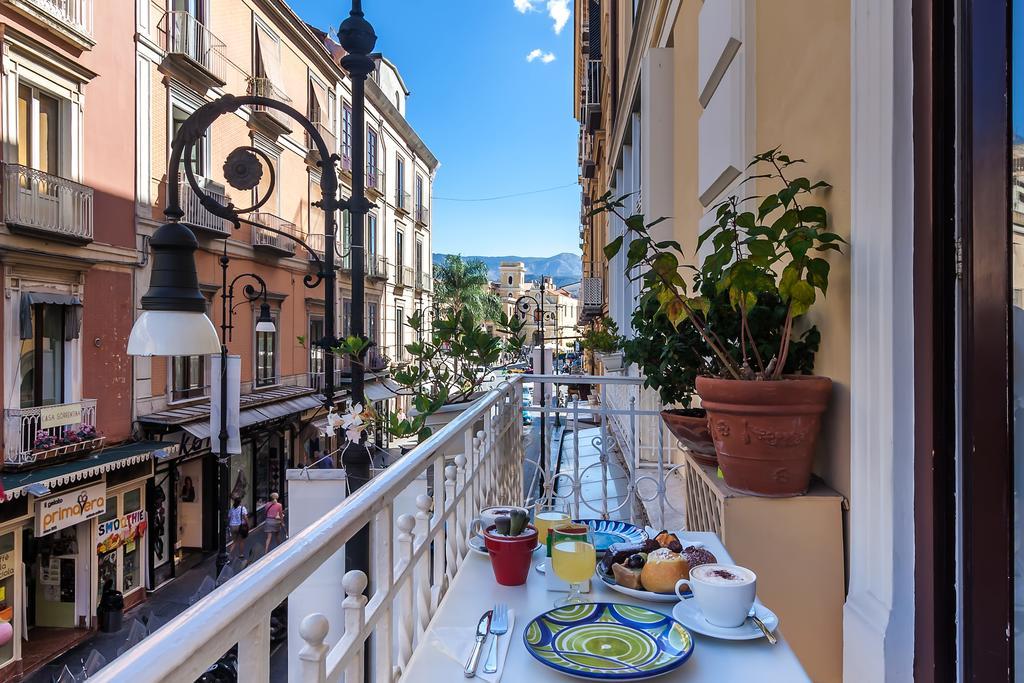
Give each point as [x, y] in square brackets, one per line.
[573, 562]
[545, 521]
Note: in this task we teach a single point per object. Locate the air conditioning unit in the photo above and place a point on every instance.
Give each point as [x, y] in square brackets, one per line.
[592, 294]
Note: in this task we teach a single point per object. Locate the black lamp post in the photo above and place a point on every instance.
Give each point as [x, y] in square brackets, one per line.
[173, 321]
[525, 305]
[264, 323]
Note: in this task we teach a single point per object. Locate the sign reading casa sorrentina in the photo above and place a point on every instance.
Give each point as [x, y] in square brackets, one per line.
[124, 529]
[58, 416]
[70, 508]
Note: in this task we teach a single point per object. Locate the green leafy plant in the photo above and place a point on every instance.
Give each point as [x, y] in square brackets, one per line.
[450, 362]
[603, 338]
[773, 254]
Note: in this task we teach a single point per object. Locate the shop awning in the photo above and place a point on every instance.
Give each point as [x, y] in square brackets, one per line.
[380, 391]
[258, 415]
[97, 462]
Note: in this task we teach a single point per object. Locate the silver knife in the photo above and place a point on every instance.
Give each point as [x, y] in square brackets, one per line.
[482, 628]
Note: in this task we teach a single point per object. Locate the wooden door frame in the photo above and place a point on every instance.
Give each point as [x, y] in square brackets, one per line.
[974, 182]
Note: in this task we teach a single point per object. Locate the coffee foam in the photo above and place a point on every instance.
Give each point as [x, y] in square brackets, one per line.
[722, 574]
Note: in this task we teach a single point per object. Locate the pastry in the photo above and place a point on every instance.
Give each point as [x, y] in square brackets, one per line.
[624, 576]
[662, 570]
[618, 552]
[696, 556]
[664, 538]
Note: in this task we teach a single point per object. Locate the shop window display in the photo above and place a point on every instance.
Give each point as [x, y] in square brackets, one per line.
[7, 578]
[107, 559]
[132, 577]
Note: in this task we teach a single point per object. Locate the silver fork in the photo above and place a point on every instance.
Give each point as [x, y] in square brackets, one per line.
[499, 627]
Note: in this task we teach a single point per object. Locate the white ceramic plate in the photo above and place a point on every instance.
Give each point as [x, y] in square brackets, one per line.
[688, 613]
[634, 593]
[476, 544]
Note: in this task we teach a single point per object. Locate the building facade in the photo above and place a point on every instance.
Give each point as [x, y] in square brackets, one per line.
[107, 477]
[909, 112]
[560, 306]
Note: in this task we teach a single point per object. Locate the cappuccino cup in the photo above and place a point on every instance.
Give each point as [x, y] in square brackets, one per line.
[724, 592]
[487, 516]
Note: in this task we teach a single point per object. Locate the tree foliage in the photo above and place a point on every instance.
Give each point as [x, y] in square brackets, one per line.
[462, 285]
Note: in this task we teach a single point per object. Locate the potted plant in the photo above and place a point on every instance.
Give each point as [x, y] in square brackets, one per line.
[764, 416]
[510, 543]
[605, 342]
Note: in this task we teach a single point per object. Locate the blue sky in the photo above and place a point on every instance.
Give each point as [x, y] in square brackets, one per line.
[500, 123]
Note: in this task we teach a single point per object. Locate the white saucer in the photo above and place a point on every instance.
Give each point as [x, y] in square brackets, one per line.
[687, 613]
[476, 544]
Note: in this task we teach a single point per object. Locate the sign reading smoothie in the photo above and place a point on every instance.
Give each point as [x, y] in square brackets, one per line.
[123, 530]
[70, 508]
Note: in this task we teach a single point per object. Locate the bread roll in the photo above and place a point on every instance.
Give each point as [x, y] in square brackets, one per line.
[663, 569]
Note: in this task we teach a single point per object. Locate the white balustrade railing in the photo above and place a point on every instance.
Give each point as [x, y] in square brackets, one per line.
[419, 511]
[75, 14]
[196, 214]
[409, 578]
[183, 34]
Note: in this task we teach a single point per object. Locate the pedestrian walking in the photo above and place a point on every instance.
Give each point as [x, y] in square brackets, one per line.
[238, 527]
[274, 523]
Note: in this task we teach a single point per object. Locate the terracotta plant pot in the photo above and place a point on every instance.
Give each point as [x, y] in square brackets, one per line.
[690, 427]
[511, 555]
[765, 432]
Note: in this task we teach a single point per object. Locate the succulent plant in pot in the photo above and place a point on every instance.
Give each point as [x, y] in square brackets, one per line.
[510, 544]
[745, 303]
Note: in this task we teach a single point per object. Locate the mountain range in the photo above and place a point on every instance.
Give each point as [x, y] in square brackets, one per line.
[564, 268]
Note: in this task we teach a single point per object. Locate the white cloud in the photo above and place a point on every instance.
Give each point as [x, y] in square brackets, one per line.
[548, 58]
[557, 10]
[545, 57]
[523, 6]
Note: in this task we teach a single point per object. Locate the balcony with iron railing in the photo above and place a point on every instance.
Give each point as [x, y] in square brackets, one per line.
[403, 201]
[196, 216]
[45, 205]
[45, 434]
[268, 120]
[271, 241]
[71, 19]
[374, 181]
[316, 242]
[592, 95]
[423, 280]
[404, 276]
[422, 215]
[330, 139]
[192, 50]
[346, 161]
[376, 266]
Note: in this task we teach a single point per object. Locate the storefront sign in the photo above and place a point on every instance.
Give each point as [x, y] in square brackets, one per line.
[68, 509]
[123, 530]
[58, 416]
[6, 565]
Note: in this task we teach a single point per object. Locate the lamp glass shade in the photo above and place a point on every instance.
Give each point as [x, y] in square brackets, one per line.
[173, 333]
[265, 323]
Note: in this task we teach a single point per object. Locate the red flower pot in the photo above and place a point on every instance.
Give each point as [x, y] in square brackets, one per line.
[511, 555]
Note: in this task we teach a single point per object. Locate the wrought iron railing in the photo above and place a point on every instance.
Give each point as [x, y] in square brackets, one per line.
[592, 91]
[403, 201]
[272, 240]
[404, 276]
[376, 266]
[47, 203]
[330, 139]
[422, 215]
[184, 35]
[196, 214]
[423, 280]
[374, 179]
[30, 438]
[261, 86]
[75, 14]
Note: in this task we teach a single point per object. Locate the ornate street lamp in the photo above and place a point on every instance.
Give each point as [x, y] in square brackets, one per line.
[528, 304]
[174, 323]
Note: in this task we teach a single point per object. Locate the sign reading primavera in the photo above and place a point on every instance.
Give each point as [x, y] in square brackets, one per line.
[69, 508]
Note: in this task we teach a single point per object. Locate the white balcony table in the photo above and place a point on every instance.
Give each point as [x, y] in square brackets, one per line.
[474, 590]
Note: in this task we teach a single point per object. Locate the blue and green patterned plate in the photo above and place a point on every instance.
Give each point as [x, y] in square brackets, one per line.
[608, 531]
[607, 641]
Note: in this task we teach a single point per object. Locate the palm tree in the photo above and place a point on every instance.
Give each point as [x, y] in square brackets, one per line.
[462, 285]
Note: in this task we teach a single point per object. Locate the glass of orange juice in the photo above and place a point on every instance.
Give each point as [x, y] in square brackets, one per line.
[546, 521]
[573, 562]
